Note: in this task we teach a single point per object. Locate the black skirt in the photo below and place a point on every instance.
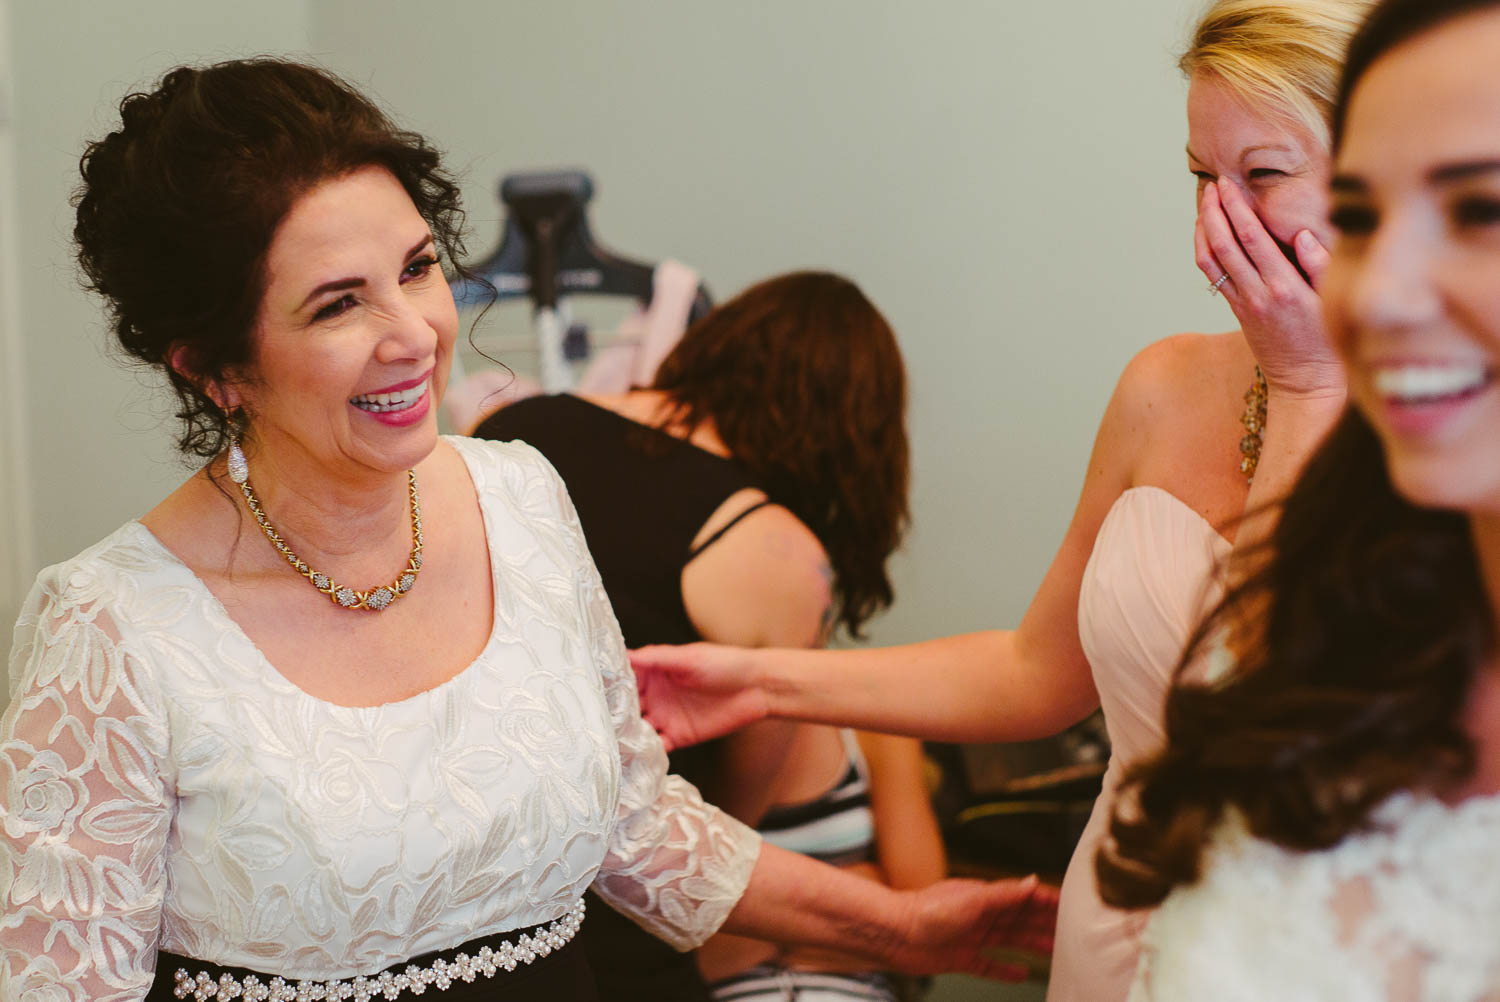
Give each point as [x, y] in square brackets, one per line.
[561, 976]
[632, 964]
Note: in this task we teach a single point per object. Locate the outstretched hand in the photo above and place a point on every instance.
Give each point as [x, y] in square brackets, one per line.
[1277, 307]
[696, 692]
[978, 927]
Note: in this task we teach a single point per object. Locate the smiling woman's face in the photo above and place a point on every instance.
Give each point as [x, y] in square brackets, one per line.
[1280, 166]
[355, 333]
[1412, 294]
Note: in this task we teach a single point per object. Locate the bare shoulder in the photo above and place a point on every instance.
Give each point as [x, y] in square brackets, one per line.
[1182, 370]
[1187, 391]
[775, 532]
[1174, 412]
[200, 520]
[765, 582]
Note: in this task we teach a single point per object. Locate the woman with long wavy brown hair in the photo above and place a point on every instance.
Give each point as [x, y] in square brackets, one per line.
[1324, 820]
[752, 495]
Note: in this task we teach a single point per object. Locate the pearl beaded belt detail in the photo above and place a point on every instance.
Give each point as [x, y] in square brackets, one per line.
[389, 985]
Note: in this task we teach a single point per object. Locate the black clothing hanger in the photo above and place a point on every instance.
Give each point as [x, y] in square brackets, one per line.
[547, 250]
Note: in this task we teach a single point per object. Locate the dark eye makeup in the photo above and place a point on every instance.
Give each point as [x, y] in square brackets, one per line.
[1476, 210]
[419, 268]
[1353, 220]
[333, 309]
[415, 270]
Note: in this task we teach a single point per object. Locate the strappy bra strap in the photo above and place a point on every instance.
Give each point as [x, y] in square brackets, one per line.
[719, 533]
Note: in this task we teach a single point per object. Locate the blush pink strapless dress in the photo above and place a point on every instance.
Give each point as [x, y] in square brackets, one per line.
[1148, 582]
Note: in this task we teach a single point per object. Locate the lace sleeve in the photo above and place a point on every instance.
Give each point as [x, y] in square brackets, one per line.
[676, 865]
[86, 806]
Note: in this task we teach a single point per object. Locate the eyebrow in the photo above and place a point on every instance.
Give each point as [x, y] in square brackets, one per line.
[1449, 173]
[1265, 148]
[1260, 148]
[342, 284]
[1350, 184]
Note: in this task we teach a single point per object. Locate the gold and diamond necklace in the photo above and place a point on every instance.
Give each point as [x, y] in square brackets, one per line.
[373, 599]
[1254, 421]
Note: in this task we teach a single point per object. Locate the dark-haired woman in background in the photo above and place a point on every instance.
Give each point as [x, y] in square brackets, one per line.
[1324, 822]
[752, 495]
[350, 705]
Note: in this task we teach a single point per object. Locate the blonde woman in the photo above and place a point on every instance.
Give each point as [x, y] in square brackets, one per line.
[1201, 429]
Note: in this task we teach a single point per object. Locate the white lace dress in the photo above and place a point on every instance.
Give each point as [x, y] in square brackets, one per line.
[164, 787]
[1406, 912]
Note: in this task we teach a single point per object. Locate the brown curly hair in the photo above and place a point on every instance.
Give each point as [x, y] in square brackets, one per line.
[177, 208]
[802, 378]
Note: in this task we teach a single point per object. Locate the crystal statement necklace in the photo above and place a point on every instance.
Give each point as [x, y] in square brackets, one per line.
[373, 599]
[1254, 421]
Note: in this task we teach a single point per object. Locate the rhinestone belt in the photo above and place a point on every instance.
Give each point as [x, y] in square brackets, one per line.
[440, 974]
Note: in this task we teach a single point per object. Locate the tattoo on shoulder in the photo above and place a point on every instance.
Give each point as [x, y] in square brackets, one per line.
[829, 619]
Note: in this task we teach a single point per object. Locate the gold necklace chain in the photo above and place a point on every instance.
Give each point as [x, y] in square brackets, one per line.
[1254, 420]
[374, 599]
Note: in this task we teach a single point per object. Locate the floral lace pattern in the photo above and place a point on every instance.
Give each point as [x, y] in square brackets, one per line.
[165, 787]
[1408, 911]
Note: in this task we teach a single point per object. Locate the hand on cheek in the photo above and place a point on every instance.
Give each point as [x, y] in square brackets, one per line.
[1278, 310]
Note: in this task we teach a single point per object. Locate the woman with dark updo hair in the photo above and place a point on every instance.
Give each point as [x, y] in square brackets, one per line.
[1324, 822]
[348, 714]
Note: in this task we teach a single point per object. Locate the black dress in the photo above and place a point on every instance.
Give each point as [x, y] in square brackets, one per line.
[642, 496]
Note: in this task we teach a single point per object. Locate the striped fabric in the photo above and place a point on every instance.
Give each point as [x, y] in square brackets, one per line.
[776, 984]
[837, 827]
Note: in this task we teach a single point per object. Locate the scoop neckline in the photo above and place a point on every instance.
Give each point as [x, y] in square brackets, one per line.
[264, 664]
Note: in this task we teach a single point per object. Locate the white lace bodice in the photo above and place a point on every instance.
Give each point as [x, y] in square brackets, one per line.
[165, 787]
[1406, 912]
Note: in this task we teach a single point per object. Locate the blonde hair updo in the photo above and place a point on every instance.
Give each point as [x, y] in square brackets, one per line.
[1285, 55]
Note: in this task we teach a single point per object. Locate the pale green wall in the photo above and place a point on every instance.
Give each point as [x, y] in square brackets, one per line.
[1006, 179]
[98, 450]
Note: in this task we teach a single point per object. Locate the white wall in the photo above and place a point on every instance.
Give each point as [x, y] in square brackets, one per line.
[17, 552]
[1006, 180]
[96, 430]
[1004, 177]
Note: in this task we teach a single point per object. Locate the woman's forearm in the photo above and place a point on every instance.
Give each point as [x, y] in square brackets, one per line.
[792, 899]
[726, 954]
[971, 687]
[950, 926]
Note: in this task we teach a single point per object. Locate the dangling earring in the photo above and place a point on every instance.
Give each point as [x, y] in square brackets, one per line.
[239, 468]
